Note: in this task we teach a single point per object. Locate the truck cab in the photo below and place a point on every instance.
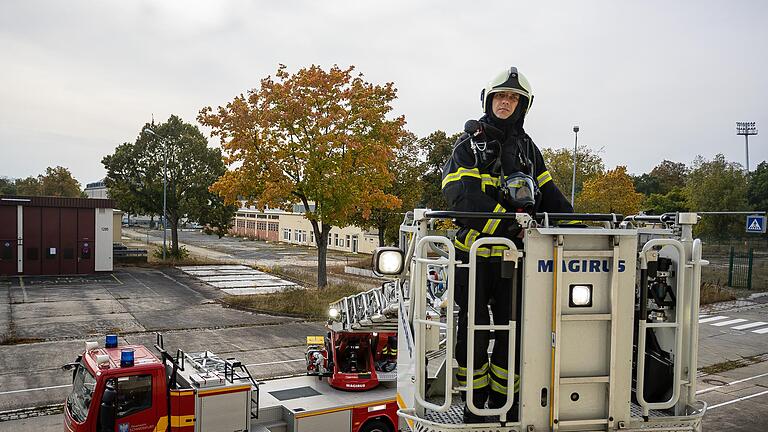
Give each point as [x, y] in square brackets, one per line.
[117, 389]
[130, 389]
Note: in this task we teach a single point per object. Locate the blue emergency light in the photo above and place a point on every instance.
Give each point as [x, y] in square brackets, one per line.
[111, 341]
[126, 358]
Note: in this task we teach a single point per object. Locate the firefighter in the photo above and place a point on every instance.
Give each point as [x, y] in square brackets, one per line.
[495, 167]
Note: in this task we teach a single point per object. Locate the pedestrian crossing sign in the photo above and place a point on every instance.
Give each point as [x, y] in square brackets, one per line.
[756, 224]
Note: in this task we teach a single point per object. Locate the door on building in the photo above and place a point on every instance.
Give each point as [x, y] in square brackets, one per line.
[8, 240]
[354, 244]
[86, 234]
[68, 243]
[32, 241]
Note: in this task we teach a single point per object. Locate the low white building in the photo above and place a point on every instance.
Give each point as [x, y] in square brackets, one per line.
[294, 228]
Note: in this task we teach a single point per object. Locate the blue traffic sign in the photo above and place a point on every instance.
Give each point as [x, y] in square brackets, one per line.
[756, 224]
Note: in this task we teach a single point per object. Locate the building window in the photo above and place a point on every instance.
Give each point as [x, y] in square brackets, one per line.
[330, 238]
[349, 241]
[336, 239]
[312, 237]
[287, 234]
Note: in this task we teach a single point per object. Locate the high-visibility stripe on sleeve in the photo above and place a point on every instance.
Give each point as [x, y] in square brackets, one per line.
[459, 174]
[543, 178]
[492, 224]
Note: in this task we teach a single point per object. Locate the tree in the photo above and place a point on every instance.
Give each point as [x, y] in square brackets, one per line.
[7, 186]
[438, 147]
[673, 201]
[59, 182]
[662, 179]
[612, 192]
[407, 168]
[315, 137]
[758, 187]
[135, 176]
[560, 165]
[670, 175]
[647, 184]
[717, 185]
[29, 186]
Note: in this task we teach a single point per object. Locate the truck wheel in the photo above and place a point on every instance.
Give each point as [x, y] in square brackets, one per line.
[375, 426]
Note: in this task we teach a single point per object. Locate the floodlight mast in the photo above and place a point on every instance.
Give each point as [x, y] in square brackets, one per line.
[746, 129]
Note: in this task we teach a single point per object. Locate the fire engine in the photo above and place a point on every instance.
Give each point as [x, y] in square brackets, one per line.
[604, 338]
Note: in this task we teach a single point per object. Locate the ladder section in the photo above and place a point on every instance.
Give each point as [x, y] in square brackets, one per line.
[212, 370]
[561, 321]
[374, 310]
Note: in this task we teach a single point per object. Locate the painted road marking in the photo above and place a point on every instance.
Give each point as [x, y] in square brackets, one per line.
[761, 331]
[35, 389]
[729, 322]
[739, 399]
[709, 389]
[710, 319]
[750, 325]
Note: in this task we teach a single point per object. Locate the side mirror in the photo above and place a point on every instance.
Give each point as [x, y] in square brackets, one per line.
[73, 367]
[107, 408]
[388, 261]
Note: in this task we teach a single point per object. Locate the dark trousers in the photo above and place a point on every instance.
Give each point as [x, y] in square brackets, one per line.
[496, 292]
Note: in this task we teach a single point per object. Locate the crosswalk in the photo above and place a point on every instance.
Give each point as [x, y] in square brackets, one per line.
[734, 323]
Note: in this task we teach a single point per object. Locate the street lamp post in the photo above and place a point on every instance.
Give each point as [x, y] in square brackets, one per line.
[746, 129]
[165, 186]
[573, 180]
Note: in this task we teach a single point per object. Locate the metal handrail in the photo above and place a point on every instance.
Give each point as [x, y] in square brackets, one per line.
[643, 325]
[696, 253]
[511, 327]
[420, 321]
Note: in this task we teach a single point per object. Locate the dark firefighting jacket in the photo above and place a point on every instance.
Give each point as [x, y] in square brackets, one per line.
[473, 179]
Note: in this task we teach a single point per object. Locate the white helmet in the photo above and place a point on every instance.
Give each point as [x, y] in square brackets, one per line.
[508, 80]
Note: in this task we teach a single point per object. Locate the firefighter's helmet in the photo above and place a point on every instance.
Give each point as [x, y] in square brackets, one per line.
[508, 80]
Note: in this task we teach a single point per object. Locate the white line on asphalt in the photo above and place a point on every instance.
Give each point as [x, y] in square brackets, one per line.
[761, 331]
[739, 399]
[142, 284]
[750, 325]
[275, 362]
[709, 389]
[729, 322]
[23, 289]
[35, 389]
[716, 318]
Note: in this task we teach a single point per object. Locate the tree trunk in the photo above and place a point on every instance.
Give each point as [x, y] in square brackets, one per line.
[322, 254]
[382, 230]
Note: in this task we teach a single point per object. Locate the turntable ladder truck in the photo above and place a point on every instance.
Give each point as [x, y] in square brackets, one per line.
[605, 338]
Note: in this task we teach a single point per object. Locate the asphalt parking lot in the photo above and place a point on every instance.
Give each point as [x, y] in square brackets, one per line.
[45, 322]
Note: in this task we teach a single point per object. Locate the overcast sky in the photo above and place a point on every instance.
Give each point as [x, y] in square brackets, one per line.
[645, 81]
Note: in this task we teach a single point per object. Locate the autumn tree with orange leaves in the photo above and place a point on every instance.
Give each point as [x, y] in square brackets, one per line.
[319, 138]
[611, 192]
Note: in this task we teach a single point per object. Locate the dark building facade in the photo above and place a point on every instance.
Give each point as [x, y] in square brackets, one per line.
[53, 236]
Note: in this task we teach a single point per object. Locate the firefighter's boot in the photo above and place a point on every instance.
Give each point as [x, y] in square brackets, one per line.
[479, 397]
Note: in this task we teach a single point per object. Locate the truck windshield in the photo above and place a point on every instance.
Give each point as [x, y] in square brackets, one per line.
[79, 400]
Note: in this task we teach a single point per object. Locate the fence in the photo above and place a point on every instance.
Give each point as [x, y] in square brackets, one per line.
[740, 269]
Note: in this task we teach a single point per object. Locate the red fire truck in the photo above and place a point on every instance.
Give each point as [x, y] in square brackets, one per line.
[130, 389]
